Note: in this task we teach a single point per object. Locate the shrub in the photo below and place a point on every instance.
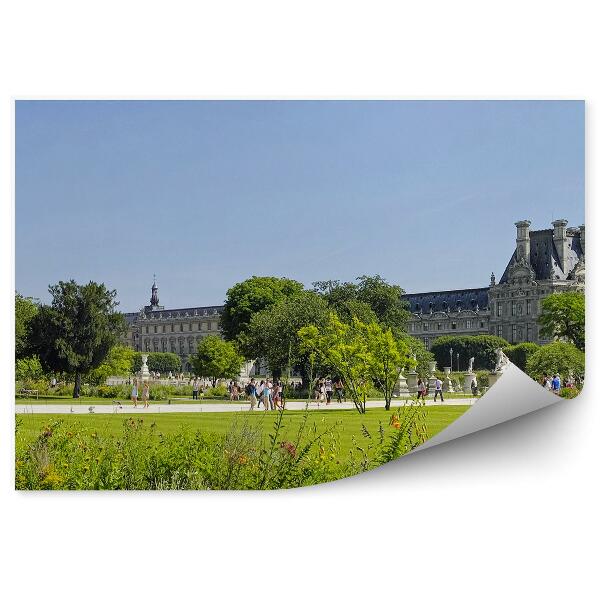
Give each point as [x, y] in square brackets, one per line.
[519, 353]
[569, 392]
[558, 357]
[163, 362]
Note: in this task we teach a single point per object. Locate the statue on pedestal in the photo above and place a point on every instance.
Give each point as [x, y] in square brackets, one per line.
[501, 361]
[471, 361]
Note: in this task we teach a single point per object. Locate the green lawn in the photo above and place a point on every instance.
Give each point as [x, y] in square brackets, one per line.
[349, 422]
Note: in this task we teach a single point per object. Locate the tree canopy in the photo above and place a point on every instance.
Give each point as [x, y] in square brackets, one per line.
[217, 359]
[118, 362]
[383, 298]
[25, 310]
[75, 333]
[519, 353]
[248, 297]
[563, 317]
[558, 357]
[161, 362]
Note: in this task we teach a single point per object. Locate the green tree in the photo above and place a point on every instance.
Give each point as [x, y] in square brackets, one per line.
[272, 333]
[558, 357]
[563, 317]
[384, 299]
[119, 363]
[386, 357]
[75, 333]
[481, 347]
[25, 310]
[416, 349]
[248, 297]
[519, 353]
[28, 369]
[216, 359]
[160, 362]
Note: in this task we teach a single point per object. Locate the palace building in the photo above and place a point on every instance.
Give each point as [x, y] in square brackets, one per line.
[544, 262]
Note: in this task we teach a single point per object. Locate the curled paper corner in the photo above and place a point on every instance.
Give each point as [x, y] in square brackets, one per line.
[513, 395]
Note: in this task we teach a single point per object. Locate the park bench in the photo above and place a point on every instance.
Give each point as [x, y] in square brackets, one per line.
[29, 393]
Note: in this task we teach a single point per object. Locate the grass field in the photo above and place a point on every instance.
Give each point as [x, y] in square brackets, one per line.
[348, 423]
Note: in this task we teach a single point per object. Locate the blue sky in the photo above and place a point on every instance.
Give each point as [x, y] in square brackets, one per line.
[205, 194]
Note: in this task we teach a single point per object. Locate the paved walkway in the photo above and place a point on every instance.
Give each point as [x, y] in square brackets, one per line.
[127, 408]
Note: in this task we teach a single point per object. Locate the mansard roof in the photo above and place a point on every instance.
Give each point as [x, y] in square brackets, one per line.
[466, 299]
[544, 259]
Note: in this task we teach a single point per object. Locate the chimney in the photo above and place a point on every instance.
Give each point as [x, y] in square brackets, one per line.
[560, 240]
[582, 237]
[523, 246]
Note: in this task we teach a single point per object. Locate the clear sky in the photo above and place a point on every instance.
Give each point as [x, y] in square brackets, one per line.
[208, 193]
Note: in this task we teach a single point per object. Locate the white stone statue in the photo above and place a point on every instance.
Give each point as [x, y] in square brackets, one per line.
[501, 361]
[144, 372]
[471, 361]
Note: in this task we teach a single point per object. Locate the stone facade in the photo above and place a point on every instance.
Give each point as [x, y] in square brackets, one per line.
[544, 262]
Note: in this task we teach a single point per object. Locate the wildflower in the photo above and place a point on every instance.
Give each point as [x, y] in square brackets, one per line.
[242, 459]
[289, 448]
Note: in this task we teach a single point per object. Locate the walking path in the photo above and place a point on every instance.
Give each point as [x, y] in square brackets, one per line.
[127, 408]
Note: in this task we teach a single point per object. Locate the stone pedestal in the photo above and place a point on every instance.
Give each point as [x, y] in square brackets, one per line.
[466, 384]
[447, 383]
[411, 382]
[432, 377]
[401, 387]
[144, 373]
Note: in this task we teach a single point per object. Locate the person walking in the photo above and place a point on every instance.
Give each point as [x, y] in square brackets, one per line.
[339, 390]
[251, 393]
[146, 394]
[438, 390]
[195, 389]
[259, 392]
[474, 387]
[134, 393]
[556, 384]
[266, 396]
[420, 389]
[328, 390]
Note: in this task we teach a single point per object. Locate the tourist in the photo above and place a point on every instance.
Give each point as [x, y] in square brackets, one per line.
[275, 398]
[421, 388]
[339, 390]
[556, 384]
[438, 390]
[134, 392]
[235, 392]
[251, 393]
[266, 396]
[146, 394]
[259, 390]
[195, 389]
[328, 390]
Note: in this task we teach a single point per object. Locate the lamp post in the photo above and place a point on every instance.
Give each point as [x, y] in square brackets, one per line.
[458, 361]
[451, 351]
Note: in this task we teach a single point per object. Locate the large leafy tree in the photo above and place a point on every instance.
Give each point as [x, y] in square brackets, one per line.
[25, 310]
[216, 359]
[75, 333]
[383, 298]
[558, 357]
[248, 297]
[272, 333]
[520, 353]
[563, 317]
[416, 349]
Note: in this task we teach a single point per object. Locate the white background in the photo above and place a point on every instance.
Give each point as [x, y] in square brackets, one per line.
[509, 512]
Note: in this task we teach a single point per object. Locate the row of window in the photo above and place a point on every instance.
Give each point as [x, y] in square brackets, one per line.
[452, 325]
[515, 333]
[201, 326]
[516, 308]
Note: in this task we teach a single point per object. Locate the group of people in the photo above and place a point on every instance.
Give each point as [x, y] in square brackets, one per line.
[423, 389]
[325, 387]
[554, 384]
[145, 393]
[268, 393]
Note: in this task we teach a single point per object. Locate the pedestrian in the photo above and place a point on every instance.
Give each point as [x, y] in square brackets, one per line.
[328, 390]
[474, 388]
[266, 396]
[420, 389]
[339, 390]
[259, 390]
[146, 394]
[134, 393]
[195, 389]
[438, 389]
[251, 393]
[556, 384]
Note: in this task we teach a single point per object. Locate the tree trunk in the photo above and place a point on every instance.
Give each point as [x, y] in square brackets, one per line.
[77, 386]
